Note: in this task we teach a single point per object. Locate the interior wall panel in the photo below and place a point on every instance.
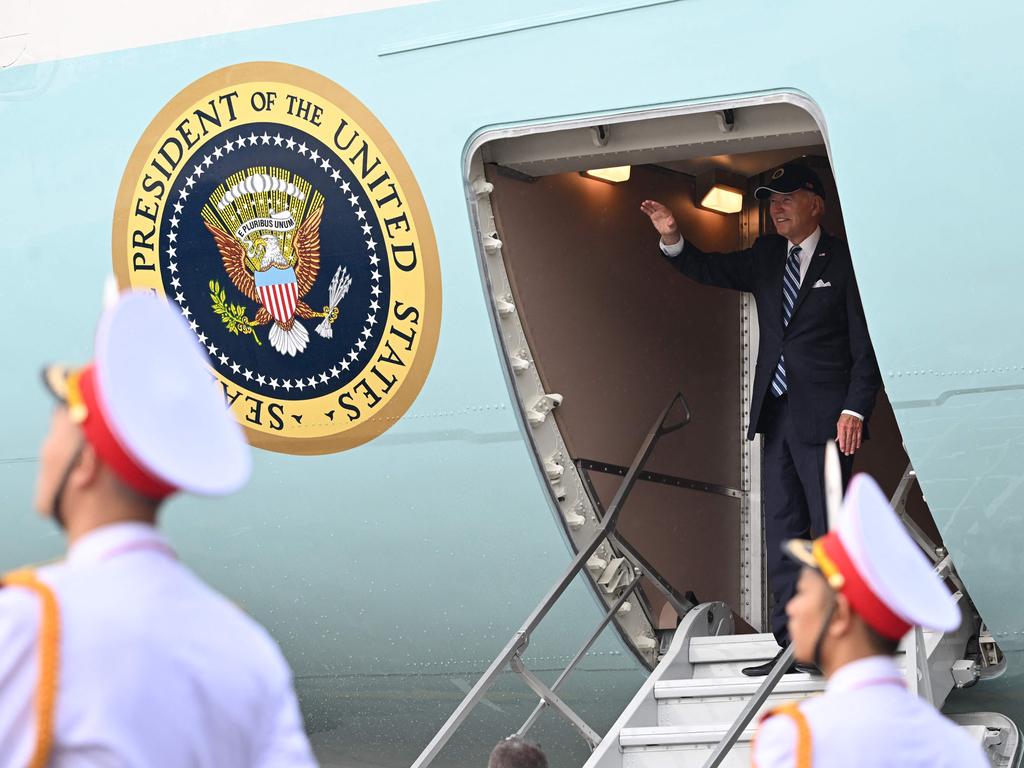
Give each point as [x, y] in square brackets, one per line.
[617, 331]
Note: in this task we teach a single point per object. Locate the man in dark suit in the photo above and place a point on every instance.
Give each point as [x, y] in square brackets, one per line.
[816, 376]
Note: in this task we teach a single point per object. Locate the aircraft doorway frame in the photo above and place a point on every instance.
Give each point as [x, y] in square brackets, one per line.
[554, 470]
[754, 576]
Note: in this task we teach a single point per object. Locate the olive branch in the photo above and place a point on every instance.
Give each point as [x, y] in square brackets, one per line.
[233, 315]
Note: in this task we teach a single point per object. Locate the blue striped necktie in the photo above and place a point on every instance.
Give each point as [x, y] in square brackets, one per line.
[790, 289]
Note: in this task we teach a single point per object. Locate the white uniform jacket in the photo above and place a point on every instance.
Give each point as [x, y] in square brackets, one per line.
[868, 719]
[156, 669]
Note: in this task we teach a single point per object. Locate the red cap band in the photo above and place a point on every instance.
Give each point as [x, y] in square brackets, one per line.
[864, 601]
[100, 436]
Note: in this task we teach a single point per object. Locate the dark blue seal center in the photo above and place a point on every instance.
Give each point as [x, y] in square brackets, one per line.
[350, 239]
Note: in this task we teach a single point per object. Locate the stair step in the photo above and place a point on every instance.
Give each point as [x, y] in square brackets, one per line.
[707, 688]
[723, 671]
[683, 757]
[690, 746]
[708, 701]
[726, 656]
[680, 747]
[679, 735]
[719, 710]
[746, 648]
[728, 648]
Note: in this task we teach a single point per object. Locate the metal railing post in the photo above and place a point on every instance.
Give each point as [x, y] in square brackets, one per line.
[921, 671]
[550, 697]
[528, 724]
[514, 646]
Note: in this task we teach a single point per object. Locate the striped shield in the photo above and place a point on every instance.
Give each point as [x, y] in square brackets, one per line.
[279, 292]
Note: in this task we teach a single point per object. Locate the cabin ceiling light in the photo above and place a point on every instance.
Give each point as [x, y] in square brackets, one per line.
[720, 192]
[615, 175]
[723, 199]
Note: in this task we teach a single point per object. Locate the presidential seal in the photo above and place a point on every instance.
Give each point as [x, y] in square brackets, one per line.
[272, 209]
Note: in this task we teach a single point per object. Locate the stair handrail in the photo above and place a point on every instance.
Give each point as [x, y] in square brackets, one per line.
[510, 654]
[751, 708]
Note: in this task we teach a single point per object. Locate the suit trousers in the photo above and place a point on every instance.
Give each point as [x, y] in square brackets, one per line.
[794, 501]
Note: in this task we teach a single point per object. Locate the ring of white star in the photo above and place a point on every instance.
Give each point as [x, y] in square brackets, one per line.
[352, 356]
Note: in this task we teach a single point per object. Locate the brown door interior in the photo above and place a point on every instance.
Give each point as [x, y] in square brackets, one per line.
[615, 330]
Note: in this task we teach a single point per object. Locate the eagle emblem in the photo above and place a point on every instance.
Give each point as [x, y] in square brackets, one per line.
[266, 225]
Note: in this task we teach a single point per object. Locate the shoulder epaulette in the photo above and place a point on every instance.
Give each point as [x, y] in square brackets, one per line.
[49, 660]
[803, 752]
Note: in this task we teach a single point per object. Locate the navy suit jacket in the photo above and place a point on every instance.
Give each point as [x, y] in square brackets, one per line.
[830, 364]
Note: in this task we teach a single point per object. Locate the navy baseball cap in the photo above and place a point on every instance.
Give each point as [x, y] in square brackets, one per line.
[790, 178]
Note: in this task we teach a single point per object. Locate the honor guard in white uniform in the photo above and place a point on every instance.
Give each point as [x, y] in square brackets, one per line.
[864, 586]
[119, 655]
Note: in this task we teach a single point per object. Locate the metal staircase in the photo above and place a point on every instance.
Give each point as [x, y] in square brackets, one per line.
[696, 708]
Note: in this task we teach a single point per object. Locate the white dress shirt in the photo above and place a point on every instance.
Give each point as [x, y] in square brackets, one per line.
[868, 719]
[156, 669]
[807, 248]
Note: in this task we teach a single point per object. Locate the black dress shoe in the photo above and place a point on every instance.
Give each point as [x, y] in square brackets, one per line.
[808, 669]
[762, 670]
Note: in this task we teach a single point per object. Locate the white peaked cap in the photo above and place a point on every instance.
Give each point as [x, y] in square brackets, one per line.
[890, 562]
[160, 402]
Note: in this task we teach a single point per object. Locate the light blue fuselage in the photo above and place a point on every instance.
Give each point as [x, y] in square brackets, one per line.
[392, 573]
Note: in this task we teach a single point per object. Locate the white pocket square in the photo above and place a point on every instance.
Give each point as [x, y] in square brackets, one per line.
[822, 284]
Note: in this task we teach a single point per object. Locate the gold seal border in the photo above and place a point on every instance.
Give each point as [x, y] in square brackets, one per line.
[274, 71]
